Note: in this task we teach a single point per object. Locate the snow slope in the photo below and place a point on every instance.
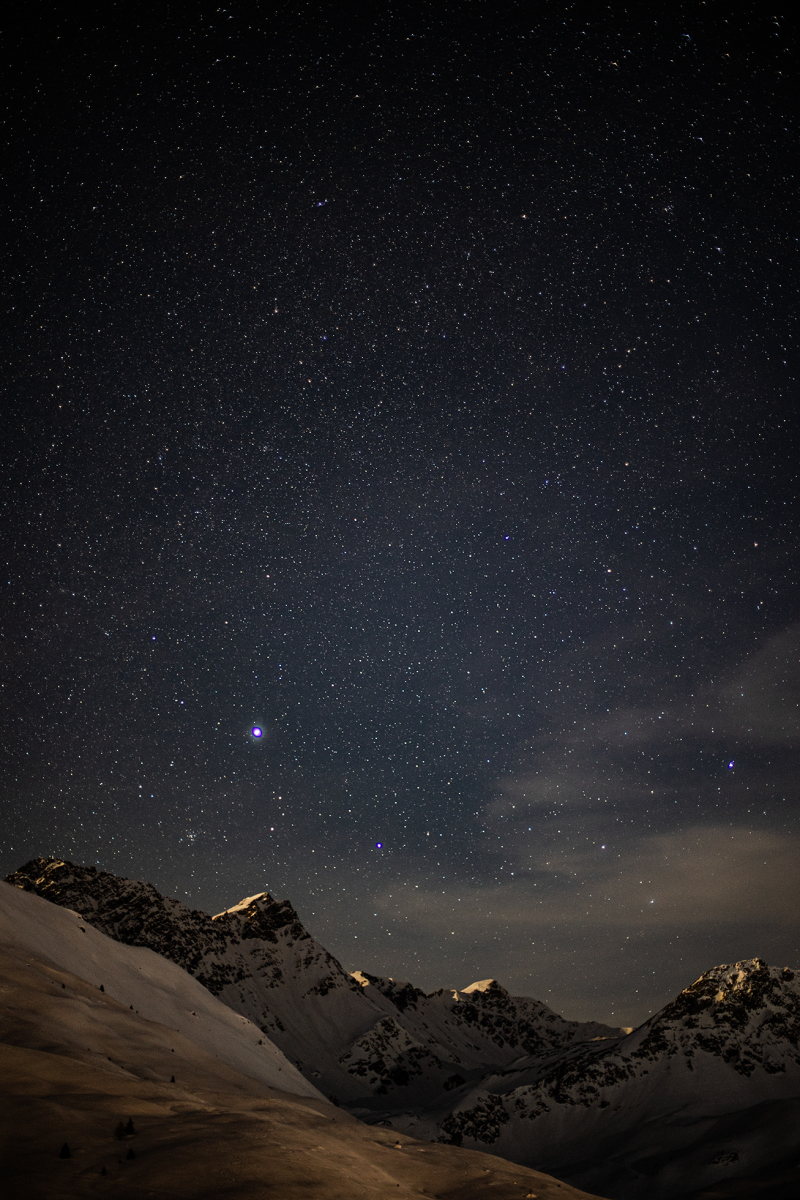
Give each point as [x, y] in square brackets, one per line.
[458, 1037]
[154, 987]
[256, 957]
[701, 1094]
[77, 1065]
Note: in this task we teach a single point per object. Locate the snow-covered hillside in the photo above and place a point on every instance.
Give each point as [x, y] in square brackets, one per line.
[471, 1032]
[144, 981]
[256, 957]
[705, 1091]
[98, 1100]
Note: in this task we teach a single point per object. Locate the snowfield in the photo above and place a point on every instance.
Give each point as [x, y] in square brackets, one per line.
[151, 985]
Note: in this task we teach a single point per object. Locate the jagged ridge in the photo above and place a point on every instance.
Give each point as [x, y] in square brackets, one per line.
[725, 1044]
[362, 1038]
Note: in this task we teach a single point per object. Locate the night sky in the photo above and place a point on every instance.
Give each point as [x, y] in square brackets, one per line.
[418, 385]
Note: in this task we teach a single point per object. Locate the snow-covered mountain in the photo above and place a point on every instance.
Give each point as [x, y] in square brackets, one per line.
[479, 1030]
[707, 1090]
[144, 983]
[373, 1043]
[704, 1090]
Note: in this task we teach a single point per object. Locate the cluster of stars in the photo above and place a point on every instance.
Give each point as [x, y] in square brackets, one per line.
[414, 401]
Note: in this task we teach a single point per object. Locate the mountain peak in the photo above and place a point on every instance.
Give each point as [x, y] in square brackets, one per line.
[485, 985]
[262, 916]
[479, 1066]
[42, 872]
[245, 904]
[732, 995]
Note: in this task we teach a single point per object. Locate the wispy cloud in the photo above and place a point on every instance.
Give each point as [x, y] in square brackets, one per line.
[708, 874]
[677, 746]
[635, 845]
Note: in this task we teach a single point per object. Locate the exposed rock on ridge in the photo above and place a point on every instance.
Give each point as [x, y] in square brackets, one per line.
[726, 1044]
[256, 956]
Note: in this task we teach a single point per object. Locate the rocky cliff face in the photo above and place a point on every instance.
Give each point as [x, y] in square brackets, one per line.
[483, 1026]
[256, 957]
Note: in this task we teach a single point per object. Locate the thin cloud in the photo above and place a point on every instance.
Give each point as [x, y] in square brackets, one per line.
[708, 875]
[671, 748]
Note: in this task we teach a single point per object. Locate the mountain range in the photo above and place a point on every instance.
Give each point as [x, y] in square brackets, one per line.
[704, 1095]
[123, 1076]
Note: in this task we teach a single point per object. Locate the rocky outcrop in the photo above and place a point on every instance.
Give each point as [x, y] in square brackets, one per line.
[725, 1045]
[256, 956]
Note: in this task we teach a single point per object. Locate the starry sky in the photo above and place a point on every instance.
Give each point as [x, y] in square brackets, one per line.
[418, 386]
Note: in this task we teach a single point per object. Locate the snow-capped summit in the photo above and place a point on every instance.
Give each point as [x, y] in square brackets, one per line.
[136, 979]
[483, 985]
[154, 1087]
[255, 956]
[261, 916]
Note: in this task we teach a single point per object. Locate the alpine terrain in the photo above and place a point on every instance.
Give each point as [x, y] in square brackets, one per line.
[704, 1095]
[123, 1076]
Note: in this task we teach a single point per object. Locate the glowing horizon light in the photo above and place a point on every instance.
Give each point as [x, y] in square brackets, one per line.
[257, 731]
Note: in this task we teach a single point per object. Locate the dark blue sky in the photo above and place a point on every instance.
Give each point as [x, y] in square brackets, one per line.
[423, 389]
